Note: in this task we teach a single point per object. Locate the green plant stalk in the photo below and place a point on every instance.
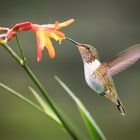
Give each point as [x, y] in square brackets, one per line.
[20, 47]
[40, 87]
[45, 106]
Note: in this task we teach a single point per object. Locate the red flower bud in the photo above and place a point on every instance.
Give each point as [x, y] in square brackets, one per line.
[24, 26]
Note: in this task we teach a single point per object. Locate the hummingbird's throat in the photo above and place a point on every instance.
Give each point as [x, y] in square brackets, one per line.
[88, 58]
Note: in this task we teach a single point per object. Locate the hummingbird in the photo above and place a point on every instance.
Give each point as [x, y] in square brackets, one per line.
[99, 75]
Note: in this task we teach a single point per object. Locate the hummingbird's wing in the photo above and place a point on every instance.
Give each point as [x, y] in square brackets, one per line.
[123, 60]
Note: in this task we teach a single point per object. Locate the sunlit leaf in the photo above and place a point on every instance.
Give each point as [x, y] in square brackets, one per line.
[45, 106]
[93, 129]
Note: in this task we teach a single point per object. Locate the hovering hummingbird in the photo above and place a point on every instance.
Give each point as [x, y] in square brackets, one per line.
[99, 75]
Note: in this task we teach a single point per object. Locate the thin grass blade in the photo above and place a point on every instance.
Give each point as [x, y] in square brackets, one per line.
[45, 106]
[18, 95]
[93, 129]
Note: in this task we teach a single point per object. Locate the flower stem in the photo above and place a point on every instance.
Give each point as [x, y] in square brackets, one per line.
[13, 54]
[23, 64]
[20, 47]
[49, 101]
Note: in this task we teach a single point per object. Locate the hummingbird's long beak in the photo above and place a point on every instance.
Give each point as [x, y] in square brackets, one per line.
[71, 40]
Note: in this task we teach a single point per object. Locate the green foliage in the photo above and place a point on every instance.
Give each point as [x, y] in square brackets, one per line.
[47, 109]
[93, 129]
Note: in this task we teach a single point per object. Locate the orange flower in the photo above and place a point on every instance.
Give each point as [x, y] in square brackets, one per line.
[43, 34]
[47, 31]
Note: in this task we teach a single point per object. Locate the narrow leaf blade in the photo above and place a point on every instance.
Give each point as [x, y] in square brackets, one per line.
[45, 106]
[18, 95]
[93, 129]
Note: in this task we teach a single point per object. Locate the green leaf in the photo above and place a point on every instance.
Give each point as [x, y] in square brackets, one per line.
[21, 97]
[53, 116]
[45, 106]
[93, 129]
[47, 113]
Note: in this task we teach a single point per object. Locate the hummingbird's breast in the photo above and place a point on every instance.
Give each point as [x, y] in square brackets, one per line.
[94, 81]
[97, 78]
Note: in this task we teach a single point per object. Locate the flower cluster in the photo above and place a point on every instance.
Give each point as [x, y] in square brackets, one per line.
[43, 34]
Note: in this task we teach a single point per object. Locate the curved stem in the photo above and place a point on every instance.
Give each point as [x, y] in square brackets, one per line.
[13, 54]
[41, 89]
[49, 101]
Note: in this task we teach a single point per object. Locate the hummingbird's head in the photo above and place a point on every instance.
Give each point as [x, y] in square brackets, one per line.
[87, 52]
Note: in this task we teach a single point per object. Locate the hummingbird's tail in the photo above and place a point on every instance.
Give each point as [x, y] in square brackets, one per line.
[115, 99]
[120, 107]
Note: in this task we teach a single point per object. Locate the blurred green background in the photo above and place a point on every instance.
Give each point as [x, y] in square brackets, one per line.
[111, 26]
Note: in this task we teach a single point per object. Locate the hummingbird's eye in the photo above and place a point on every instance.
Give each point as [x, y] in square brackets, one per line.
[89, 48]
[86, 47]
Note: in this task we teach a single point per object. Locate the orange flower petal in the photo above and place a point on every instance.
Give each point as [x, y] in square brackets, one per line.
[40, 39]
[39, 54]
[35, 27]
[50, 47]
[56, 25]
[58, 36]
[40, 43]
[66, 23]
